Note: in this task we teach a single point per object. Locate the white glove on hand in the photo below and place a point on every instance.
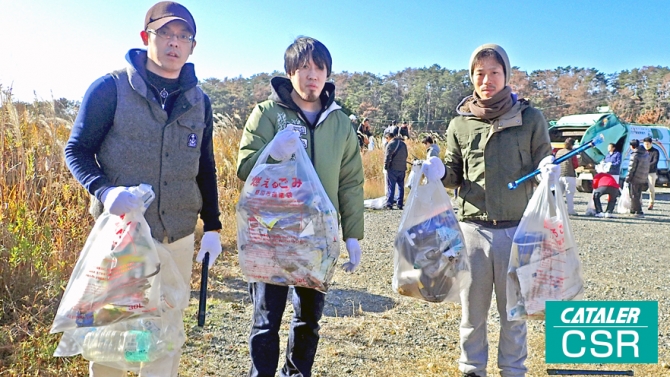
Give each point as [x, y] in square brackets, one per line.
[210, 243]
[284, 144]
[354, 250]
[119, 200]
[549, 169]
[433, 168]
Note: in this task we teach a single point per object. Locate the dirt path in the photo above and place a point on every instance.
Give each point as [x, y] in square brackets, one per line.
[369, 330]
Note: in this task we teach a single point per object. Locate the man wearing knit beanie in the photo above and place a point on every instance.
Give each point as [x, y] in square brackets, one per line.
[496, 139]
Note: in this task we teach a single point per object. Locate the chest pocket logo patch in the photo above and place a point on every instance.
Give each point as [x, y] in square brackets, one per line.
[192, 140]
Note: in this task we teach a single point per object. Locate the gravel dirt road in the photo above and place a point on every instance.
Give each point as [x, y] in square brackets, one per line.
[369, 330]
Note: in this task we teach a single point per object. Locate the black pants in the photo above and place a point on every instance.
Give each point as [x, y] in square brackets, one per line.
[613, 193]
[269, 302]
[636, 197]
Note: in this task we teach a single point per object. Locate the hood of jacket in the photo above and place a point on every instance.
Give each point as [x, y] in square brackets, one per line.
[137, 58]
[281, 94]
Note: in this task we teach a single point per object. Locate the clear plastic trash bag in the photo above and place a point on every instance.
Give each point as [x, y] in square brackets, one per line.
[544, 264]
[137, 345]
[623, 206]
[116, 277]
[287, 227]
[429, 258]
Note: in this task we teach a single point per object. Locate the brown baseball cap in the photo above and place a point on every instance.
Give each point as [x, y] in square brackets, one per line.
[166, 11]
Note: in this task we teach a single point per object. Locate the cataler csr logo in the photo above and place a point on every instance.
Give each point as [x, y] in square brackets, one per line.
[619, 332]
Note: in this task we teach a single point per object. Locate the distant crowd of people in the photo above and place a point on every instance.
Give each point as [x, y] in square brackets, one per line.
[641, 177]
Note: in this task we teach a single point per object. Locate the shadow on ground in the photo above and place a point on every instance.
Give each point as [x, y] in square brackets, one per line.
[227, 290]
[347, 302]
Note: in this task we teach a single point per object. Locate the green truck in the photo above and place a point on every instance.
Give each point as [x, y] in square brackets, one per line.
[584, 127]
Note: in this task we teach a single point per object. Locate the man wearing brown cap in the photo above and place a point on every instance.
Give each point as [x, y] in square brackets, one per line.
[496, 139]
[150, 123]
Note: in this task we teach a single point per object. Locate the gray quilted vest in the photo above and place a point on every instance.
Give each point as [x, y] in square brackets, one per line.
[143, 147]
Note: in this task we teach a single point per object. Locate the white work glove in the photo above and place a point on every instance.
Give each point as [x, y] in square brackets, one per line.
[433, 168]
[354, 250]
[210, 243]
[119, 200]
[284, 144]
[549, 169]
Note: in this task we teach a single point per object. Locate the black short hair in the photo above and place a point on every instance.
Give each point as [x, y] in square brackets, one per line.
[635, 143]
[428, 140]
[299, 52]
[486, 53]
[647, 139]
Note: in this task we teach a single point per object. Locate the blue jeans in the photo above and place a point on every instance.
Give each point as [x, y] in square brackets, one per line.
[394, 177]
[269, 302]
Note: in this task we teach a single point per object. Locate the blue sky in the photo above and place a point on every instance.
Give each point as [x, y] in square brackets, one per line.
[59, 47]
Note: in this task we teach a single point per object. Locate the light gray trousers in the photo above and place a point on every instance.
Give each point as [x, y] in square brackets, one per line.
[488, 253]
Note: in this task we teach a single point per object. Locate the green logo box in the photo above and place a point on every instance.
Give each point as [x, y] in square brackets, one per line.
[603, 332]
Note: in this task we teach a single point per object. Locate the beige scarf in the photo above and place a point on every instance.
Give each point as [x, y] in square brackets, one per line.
[491, 108]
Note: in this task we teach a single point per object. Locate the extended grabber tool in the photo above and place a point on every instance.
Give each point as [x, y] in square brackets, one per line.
[596, 140]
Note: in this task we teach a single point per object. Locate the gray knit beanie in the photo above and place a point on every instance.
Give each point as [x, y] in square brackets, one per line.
[500, 51]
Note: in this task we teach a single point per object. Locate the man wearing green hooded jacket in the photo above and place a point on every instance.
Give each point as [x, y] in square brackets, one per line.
[497, 138]
[301, 112]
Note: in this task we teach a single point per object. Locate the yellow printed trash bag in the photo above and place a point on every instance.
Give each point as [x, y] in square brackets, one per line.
[287, 227]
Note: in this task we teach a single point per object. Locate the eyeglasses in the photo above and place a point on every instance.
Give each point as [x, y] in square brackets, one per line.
[186, 38]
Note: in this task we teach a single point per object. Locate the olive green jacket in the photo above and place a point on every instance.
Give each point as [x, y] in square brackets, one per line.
[482, 157]
[331, 144]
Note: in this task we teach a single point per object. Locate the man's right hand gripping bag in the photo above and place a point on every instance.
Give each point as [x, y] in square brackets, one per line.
[287, 227]
[429, 260]
[544, 264]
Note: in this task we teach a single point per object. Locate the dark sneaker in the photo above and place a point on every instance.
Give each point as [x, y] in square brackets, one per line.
[469, 375]
[639, 215]
[400, 208]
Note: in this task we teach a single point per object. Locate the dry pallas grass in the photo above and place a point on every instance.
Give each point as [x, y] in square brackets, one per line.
[44, 224]
[42, 228]
[373, 167]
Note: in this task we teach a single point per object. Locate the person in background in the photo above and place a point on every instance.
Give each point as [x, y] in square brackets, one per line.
[517, 142]
[405, 130]
[354, 121]
[614, 159]
[568, 178]
[395, 165]
[638, 170]
[432, 149]
[151, 123]
[605, 184]
[301, 112]
[364, 133]
[653, 163]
